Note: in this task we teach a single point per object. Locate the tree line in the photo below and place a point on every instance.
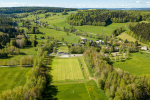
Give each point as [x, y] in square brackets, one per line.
[11, 10]
[105, 17]
[37, 81]
[117, 84]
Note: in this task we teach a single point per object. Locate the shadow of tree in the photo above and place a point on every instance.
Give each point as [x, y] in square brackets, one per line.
[50, 90]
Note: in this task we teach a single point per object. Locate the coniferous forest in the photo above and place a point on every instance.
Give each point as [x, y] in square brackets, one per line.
[106, 17]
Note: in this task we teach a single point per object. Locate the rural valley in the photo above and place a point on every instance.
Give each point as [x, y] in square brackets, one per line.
[54, 53]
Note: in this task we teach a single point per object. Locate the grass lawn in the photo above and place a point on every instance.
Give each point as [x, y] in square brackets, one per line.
[139, 64]
[72, 92]
[66, 69]
[12, 77]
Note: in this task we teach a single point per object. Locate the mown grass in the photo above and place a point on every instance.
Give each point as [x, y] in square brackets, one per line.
[66, 69]
[75, 91]
[138, 64]
[12, 77]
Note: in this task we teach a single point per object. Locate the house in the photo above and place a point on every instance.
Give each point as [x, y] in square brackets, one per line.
[60, 53]
[83, 39]
[97, 41]
[144, 48]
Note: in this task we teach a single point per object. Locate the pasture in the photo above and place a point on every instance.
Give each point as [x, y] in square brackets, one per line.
[66, 69]
[138, 64]
[12, 77]
[76, 91]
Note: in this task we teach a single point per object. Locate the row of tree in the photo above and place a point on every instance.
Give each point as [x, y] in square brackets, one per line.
[37, 80]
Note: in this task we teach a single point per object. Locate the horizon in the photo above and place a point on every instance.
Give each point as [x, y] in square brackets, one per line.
[78, 3]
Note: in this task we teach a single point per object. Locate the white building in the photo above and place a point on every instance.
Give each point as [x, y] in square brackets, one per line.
[144, 48]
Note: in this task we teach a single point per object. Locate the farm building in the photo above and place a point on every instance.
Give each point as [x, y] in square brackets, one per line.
[144, 48]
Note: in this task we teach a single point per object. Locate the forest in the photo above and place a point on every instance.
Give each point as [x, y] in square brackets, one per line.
[105, 17]
[31, 9]
[142, 31]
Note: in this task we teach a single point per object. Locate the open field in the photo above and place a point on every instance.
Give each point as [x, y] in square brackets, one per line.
[76, 91]
[12, 77]
[105, 30]
[138, 64]
[66, 69]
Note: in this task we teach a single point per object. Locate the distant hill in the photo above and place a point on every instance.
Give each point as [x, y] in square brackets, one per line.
[117, 8]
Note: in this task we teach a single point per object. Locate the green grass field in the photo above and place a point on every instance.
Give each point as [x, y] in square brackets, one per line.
[66, 69]
[139, 64]
[76, 91]
[12, 77]
[72, 38]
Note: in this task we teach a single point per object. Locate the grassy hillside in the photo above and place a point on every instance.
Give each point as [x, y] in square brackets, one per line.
[138, 64]
[12, 77]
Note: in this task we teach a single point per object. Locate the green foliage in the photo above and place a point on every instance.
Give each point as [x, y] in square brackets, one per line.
[105, 17]
[11, 10]
[141, 30]
[76, 50]
[116, 83]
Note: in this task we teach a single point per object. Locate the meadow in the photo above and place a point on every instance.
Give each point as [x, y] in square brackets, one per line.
[138, 64]
[66, 69]
[12, 77]
[76, 91]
